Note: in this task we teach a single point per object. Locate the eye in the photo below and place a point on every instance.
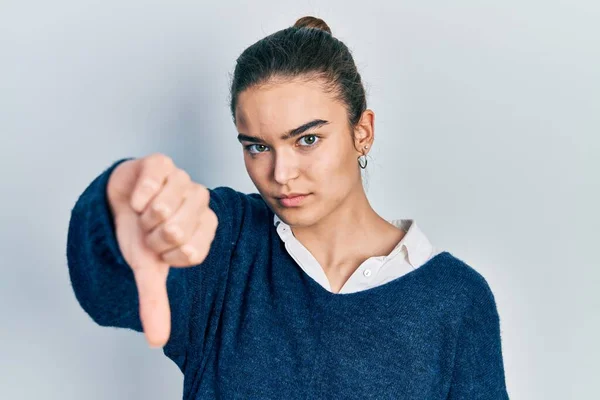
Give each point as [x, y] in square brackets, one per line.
[315, 139]
[310, 141]
[258, 146]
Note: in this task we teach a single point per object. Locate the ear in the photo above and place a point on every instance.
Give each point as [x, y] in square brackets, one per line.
[364, 133]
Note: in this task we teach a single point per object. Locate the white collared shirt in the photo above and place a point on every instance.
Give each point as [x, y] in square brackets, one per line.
[410, 253]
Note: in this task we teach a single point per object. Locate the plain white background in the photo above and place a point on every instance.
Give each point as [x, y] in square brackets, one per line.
[487, 125]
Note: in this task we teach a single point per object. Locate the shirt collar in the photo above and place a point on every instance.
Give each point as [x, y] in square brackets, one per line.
[416, 245]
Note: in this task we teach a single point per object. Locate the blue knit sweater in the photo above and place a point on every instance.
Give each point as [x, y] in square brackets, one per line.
[248, 323]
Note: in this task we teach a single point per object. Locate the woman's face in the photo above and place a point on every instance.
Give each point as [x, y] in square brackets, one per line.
[319, 161]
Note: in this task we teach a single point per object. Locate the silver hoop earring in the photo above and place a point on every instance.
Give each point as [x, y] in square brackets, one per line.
[364, 157]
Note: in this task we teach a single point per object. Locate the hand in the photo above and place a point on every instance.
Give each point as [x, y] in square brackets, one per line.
[162, 220]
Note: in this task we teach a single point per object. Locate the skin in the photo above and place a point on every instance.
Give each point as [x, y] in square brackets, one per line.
[163, 219]
[335, 223]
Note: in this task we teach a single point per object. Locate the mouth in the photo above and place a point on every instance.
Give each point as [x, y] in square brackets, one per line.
[292, 201]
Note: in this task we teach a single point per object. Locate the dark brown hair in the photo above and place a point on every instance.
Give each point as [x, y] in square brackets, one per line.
[307, 50]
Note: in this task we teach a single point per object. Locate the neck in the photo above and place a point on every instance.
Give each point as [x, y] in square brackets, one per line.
[353, 232]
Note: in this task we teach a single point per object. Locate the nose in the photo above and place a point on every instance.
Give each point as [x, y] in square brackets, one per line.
[286, 167]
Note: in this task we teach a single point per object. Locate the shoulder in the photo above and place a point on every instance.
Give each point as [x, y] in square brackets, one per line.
[236, 208]
[226, 197]
[464, 282]
[461, 273]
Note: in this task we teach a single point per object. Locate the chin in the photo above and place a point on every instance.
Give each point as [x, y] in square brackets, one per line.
[297, 217]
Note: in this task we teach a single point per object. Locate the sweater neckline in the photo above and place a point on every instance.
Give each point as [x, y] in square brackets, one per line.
[373, 291]
[383, 289]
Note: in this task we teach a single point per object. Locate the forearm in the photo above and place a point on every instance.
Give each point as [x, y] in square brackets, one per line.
[102, 281]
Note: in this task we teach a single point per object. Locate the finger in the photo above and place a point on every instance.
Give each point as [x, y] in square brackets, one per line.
[196, 249]
[153, 173]
[179, 228]
[155, 313]
[167, 201]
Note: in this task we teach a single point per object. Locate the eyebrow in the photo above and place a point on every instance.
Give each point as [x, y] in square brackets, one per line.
[288, 135]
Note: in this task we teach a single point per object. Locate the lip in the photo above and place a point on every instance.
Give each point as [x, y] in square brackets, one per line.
[289, 196]
[292, 200]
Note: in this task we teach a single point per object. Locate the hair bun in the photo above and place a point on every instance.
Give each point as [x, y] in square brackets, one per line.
[312, 22]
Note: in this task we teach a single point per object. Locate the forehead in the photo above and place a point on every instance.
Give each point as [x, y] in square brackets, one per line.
[277, 107]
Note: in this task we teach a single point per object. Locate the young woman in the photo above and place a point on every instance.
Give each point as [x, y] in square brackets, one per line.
[299, 291]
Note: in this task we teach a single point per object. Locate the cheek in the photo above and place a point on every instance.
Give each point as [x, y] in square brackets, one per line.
[260, 173]
[254, 170]
[333, 171]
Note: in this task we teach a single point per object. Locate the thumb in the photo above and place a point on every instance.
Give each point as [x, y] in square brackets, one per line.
[155, 312]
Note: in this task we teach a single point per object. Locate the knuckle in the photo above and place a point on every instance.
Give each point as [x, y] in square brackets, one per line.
[190, 253]
[203, 194]
[203, 252]
[182, 175]
[195, 258]
[213, 220]
[172, 234]
[158, 159]
[150, 160]
[196, 250]
[160, 210]
[196, 195]
[166, 160]
[200, 195]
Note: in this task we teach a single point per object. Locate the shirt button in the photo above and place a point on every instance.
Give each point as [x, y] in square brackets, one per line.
[367, 272]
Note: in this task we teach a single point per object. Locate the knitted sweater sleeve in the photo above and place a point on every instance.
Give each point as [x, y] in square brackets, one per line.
[104, 284]
[478, 366]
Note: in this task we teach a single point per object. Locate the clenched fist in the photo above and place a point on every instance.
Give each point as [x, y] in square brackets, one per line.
[162, 220]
